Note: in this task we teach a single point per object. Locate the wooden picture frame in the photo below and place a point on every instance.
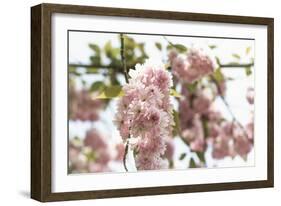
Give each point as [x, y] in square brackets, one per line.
[41, 97]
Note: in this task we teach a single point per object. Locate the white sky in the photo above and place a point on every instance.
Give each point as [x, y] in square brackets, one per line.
[79, 52]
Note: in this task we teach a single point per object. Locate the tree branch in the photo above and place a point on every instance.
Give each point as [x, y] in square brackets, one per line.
[121, 69]
[94, 66]
[236, 65]
[169, 42]
[123, 59]
[122, 52]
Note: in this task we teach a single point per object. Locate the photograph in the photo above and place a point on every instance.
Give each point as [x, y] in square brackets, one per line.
[139, 102]
[131, 102]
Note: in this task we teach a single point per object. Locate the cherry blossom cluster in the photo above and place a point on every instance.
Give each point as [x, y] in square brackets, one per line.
[144, 113]
[94, 153]
[230, 138]
[193, 109]
[191, 67]
[82, 106]
[202, 125]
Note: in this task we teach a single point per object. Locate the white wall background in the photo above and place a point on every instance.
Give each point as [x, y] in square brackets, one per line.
[15, 102]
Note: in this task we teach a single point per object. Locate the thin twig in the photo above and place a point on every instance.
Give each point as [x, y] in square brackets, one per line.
[125, 155]
[234, 119]
[123, 59]
[169, 42]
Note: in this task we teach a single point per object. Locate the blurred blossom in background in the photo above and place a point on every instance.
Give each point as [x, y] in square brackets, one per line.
[200, 113]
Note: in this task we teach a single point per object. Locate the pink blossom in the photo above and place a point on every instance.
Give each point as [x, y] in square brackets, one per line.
[221, 147]
[198, 145]
[99, 146]
[103, 156]
[192, 67]
[214, 129]
[172, 55]
[214, 115]
[96, 167]
[250, 130]
[250, 95]
[74, 149]
[170, 149]
[195, 135]
[242, 145]
[198, 60]
[150, 162]
[231, 140]
[82, 106]
[183, 70]
[122, 123]
[145, 113]
[201, 104]
[77, 160]
[94, 153]
[186, 114]
[227, 128]
[94, 140]
[120, 148]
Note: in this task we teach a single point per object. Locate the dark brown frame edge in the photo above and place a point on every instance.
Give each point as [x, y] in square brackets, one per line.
[41, 101]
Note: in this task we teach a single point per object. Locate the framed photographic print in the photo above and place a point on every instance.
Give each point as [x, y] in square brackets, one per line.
[137, 102]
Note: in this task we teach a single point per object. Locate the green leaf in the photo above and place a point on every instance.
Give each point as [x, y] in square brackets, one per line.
[180, 47]
[205, 127]
[111, 92]
[192, 163]
[95, 48]
[97, 86]
[212, 46]
[92, 70]
[182, 156]
[236, 56]
[73, 70]
[175, 93]
[218, 60]
[158, 45]
[169, 46]
[107, 47]
[201, 156]
[95, 60]
[248, 49]
[171, 164]
[191, 87]
[218, 75]
[248, 71]
[110, 51]
[91, 155]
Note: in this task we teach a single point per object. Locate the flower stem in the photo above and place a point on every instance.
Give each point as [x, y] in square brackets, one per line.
[123, 59]
[125, 155]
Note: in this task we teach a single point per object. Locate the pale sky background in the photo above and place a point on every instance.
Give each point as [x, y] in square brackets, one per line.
[79, 52]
